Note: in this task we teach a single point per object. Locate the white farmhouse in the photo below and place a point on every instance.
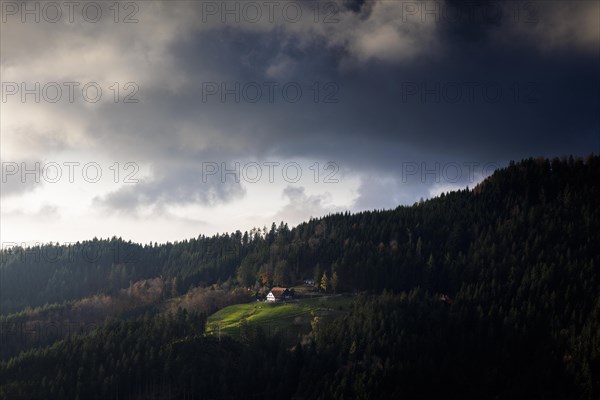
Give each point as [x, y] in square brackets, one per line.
[278, 294]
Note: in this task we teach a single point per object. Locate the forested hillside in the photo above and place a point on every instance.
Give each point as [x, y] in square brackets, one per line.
[490, 292]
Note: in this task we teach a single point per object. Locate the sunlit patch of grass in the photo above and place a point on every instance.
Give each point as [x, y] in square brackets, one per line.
[273, 317]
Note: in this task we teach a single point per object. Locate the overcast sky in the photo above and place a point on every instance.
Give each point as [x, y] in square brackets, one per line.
[163, 120]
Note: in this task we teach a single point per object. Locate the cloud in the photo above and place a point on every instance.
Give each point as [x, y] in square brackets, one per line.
[280, 68]
[46, 212]
[172, 52]
[195, 184]
[557, 25]
[379, 193]
[20, 177]
[302, 207]
[377, 30]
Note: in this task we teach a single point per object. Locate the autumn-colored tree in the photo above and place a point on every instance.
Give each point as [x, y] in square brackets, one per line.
[324, 282]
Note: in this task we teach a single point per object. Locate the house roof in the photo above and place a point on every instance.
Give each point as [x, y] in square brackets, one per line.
[278, 291]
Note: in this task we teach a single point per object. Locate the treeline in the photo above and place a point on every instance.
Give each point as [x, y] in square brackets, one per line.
[535, 217]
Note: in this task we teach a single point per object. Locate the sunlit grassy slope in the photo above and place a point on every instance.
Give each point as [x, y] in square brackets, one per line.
[291, 317]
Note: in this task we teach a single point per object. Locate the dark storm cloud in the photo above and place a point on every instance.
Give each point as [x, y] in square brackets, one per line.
[482, 94]
[485, 97]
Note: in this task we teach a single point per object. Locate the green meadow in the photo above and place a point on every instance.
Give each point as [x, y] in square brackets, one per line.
[289, 317]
